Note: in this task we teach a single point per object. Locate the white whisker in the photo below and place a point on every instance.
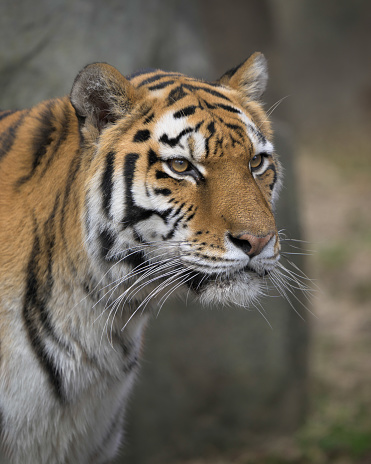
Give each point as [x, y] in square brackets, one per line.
[184, 279]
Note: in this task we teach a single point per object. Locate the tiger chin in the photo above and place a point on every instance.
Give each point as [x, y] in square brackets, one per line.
[114, 198]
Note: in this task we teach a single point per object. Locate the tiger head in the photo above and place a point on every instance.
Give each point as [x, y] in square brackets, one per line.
[183, 179]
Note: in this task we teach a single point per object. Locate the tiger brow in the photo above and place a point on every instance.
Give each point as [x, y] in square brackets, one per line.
[175, 140]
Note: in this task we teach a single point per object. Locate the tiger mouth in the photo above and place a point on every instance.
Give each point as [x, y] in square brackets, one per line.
[201, 280]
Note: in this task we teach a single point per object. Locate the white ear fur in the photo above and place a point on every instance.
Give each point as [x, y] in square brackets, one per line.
[249, 78]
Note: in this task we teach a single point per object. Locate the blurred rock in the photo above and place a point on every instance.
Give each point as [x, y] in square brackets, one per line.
[45, 43]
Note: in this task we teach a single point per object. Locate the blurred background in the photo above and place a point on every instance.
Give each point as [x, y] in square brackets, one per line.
[280, 384]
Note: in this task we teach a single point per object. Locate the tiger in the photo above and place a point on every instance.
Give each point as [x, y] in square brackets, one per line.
[114, 198]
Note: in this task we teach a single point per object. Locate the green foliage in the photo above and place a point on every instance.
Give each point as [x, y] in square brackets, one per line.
[336, 432]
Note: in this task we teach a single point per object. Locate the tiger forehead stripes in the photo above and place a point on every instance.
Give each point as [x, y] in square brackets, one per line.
[206, 127]
[112, 199]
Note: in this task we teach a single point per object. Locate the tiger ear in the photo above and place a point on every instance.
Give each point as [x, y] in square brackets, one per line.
[249, 78]
[100, 95]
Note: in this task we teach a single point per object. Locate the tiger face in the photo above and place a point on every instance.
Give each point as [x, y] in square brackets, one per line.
[188, 179]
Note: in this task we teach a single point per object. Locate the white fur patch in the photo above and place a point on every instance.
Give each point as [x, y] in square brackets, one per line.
[170, 126]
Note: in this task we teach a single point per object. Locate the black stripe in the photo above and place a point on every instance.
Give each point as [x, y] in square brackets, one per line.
[130, 355]
[176, 94]
[234, 141]
[187, 111]
[137, 236]
[190, 217]
[7, 138]
[179, 209]
[49, 237]
[157, 77]
[5, 114]
[219, 145]
[164, 215]
[149, 118]
[135, 258]
[162, 85]
[237, 129]
[211, 129]
[174, 141]
[34, 307]
[142, 136]
[154, 78]
[106, 241]
[146, 110]
[164, 191]
[41, 141]
[273, 168]
[152, 157]
[173, 230]
[134, 213]
[106, 185]
[141, 72]
[63, 134]
[162, 175]
[213, 92]
[231, 109]
[257, 134]
[210, 106]
[202, 81]
[72, 174]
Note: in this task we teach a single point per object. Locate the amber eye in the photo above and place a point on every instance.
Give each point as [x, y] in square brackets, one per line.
[256, 162]
[179, 165]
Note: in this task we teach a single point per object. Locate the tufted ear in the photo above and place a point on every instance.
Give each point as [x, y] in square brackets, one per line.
[249, 78]
[100, 95]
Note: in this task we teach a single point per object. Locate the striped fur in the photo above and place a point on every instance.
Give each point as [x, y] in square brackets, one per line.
[97, 226]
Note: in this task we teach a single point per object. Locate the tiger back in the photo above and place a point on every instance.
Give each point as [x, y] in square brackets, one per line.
[126, 192]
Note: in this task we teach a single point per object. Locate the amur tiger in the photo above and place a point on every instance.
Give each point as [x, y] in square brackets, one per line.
[112, 199]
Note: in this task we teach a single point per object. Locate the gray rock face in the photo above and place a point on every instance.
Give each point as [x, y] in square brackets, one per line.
[211, 379]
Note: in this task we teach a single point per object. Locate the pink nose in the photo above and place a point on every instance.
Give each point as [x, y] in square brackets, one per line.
[251, 244]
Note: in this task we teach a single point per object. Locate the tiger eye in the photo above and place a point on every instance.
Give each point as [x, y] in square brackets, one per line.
[179, 165]
[256, 161]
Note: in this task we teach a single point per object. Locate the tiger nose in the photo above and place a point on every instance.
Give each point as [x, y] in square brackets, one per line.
[251, 244]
